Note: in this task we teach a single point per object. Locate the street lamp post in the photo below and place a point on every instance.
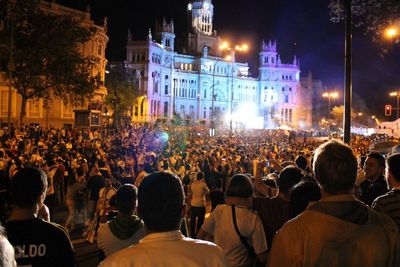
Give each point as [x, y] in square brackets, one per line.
[230, 121]
[231, 58]
[330, 95]
[213, 99]
[348, 88]
[397, 95]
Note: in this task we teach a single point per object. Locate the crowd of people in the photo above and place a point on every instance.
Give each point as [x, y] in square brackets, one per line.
[270, 198]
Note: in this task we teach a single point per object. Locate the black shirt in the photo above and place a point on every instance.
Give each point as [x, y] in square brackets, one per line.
[370, 190]
[95, 183]
[40, 243]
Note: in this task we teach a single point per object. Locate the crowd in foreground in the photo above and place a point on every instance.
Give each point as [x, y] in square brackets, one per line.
[142, 194]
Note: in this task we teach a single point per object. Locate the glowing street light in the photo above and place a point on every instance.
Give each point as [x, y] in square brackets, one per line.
[231, 58]
[392, 32]
[397, 95]
[330, 95]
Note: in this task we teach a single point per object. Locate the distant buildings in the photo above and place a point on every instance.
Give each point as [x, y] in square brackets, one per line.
[183, 85]
[57, 112]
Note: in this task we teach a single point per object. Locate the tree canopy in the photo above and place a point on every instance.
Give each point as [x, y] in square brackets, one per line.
[121, 93]
[46, 53]
[373, 16]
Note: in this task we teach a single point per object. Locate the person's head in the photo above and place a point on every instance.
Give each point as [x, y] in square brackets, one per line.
[301, 195]
[288, 177]
[165, 165]
[200, 176]
[301, 162]
[6, 250]
[335, 167]
[239, 186]
[107, 181]
[374, 165]
[147, 168]
[126, 198]
[393, 170]
[28, 188]
[161, 202]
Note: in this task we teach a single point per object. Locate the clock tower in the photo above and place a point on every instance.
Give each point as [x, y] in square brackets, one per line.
[201, 13]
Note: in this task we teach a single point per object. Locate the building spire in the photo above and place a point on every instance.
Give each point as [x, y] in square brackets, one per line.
[129, 38]
[149, 36]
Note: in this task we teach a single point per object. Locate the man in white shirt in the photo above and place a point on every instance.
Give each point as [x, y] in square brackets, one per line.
[161, 206]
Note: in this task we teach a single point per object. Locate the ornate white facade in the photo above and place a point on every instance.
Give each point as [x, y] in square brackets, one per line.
[172, 83]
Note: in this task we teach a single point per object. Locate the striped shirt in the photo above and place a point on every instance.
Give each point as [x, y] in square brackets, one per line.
[389, 204]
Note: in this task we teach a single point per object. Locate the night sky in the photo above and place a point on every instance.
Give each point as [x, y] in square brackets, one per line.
[301, 27]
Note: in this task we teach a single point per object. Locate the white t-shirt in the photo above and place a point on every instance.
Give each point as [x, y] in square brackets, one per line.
[198, 191]
[168, 249]
[220, 224]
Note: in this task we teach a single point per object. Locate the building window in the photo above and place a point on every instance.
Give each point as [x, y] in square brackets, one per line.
[286, 98]
[167, 43]
[205, 113]
[166, 90]
[4, 103]
[290, 115]
[165, 109]
[205, 94]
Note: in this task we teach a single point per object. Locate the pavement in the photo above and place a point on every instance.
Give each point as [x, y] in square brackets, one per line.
[87, 253]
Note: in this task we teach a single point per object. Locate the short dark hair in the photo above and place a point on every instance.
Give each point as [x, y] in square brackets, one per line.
[335, 167]
[239, 185]
[161, 199]
[126, 198]
[288, 177]
[200, 175]
[26, 186]
[393, 163]
[379, 158]
[301, 162]
[302, 194]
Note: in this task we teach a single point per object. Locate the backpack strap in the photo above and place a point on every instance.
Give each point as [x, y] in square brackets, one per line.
[243, 239]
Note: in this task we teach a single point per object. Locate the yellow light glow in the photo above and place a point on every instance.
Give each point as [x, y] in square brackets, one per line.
[391, 32]
[228, 58]
[245, 47]
[394, 93]
[331, 95]
[224, 45]
[360, 114]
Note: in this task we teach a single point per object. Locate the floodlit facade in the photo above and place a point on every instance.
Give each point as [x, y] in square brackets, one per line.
[58, 113]
[200, 85]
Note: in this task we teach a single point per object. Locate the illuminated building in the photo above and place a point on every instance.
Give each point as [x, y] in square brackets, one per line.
[57, 112]
[182, 84]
